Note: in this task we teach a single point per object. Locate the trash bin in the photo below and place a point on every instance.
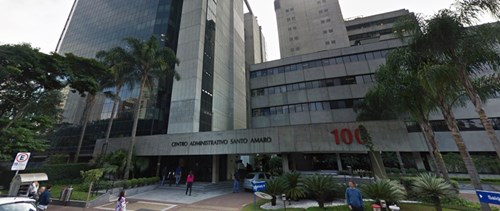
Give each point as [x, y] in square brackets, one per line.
[66, 195]
[376, 207]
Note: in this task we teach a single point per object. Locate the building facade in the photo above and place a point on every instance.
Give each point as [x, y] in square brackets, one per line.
[306, 26]
[211, 93]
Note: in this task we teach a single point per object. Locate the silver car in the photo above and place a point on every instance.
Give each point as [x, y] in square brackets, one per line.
[254, 176]
[17, 204]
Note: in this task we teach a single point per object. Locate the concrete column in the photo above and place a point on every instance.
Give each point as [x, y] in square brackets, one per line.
[215, 169]
[418, 160]
[158, 164]
[284, 158]
[339, 162]
[401, 164]
[433, 167]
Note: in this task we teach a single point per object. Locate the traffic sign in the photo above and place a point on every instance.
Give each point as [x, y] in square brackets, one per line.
[489, 197]
[21, 161]
[259, 186]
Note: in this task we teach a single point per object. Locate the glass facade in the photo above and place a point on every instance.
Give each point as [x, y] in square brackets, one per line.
[207, 82]
[101, 25]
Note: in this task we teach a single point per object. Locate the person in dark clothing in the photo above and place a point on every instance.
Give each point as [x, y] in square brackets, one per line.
[171, 178]
[236, 183]
[44, 199]
[353, 197]
[164, 174]
[189, 182]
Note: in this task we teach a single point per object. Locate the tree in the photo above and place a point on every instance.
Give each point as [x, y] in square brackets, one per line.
[399, 91]
[150, 62]
[467, 51]
[29, 95]
[434, 188]
[90, 177]
[92, 70]
[295, 189]
[118, 62]
[388, 190]
[375, 157]
[319, 187]
[275, 187]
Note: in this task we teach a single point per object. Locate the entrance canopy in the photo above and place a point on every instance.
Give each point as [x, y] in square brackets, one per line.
[23, 178]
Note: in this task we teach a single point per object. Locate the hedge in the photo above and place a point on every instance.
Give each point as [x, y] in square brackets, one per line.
[57, 172]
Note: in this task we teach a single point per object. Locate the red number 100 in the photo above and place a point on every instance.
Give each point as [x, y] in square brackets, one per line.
[346, 136]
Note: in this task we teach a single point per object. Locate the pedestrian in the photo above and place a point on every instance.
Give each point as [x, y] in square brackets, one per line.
[164, 173]
[121, 204]
[178, 174]
[44, 199]
[171, 178]
[189, 182]
[33, 190]
[236, 183]
[353, 197]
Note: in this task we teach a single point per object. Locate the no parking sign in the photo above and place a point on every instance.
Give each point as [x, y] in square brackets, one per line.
[21, 161]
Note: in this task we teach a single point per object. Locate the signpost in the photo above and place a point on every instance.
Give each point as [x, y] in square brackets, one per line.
[20, 162]
[257, 187]
[489, 197]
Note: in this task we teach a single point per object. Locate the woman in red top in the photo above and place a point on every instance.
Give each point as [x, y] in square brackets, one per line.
[189, 182]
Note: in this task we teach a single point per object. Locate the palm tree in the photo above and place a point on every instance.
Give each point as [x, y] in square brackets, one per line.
[398, 91]
[275, 187]
[468, 51]
[119, 63]
[95, 71]
[319, 186]
[430, 186]
[388, 190]
[150, 62]
[295, 189]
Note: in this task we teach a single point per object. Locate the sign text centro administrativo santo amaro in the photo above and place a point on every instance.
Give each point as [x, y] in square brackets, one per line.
[222, 142]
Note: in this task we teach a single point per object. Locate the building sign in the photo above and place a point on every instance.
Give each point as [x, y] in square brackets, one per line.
[346, 135]
[221, 142]
[21, 161]
[489, 197]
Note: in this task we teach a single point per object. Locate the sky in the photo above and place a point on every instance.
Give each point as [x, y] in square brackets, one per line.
[40, 22]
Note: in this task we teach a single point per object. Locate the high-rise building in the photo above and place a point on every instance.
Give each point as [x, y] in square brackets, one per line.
[307, 26]
[208, 38]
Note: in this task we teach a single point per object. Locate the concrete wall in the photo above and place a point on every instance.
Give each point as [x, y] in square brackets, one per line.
[301, 26]
[229, 92]
[387, 136]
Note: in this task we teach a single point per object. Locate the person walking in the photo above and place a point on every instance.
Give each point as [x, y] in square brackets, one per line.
[353, 197]
[44, 200]
[236, 183]
[164, 174]
[189, 182]
[171, 178]
[178, 174]
[121, 204]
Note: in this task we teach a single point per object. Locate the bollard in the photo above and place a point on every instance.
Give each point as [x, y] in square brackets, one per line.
[394, 208]
[376, 207]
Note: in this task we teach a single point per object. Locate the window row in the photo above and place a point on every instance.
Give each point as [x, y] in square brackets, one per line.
[463, 125]
[320, 63]
[359, 79]
[304, 107]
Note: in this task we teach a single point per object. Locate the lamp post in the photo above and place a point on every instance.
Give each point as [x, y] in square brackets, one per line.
[283, 197]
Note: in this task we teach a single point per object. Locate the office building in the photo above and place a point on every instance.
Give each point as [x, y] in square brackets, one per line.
[307, 26]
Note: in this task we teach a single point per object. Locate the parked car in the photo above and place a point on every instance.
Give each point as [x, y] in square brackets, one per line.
[17, 204]
[254, 176]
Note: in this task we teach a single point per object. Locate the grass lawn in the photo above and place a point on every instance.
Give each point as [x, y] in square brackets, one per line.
[419, 207]
[75, 195]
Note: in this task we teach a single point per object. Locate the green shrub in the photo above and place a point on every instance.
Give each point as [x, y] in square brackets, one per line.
[295, 189]
[57, 172]
[128, 184]
[433, 188]
[412, 171]
[388, 190]
[275, 187]
[320, 187]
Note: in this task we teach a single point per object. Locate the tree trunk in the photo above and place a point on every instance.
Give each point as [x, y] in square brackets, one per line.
[88, 194]
[273, 201]
[437, 203]
[321, 203]
[134, 129]
[89, 103]
[478, 105]
[401, 164]
[451, 122]
[111, 119]
[429, 135]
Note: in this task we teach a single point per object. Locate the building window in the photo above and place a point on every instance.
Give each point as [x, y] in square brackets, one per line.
[289, 29]
[330, 30]
[296, 38]
[291, 9]
[294, 28]
[324, 32]
[322, 21]
[286, 10]
[327, 43]
[328, 20]
[293, 18]
[297, 48]
[333, 42]
[291, 38]
[321, 11]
